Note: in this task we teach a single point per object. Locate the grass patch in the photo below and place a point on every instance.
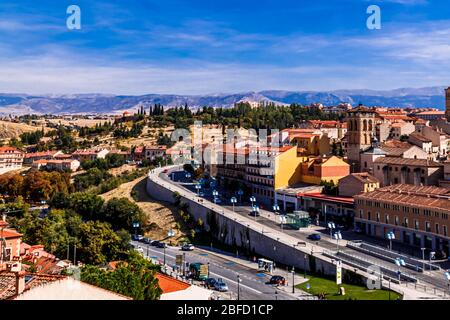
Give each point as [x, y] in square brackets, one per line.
[352, 292]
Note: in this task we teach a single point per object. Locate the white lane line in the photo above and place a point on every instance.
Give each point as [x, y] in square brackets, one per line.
[219, 275]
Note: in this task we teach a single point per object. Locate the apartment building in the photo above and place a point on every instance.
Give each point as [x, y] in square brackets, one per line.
[392, 170]
[400, 129]
[44, 155]
[10, 159]
[90, 154]
[153, 152]
[264, 170]
[356, 183]
[418, 215]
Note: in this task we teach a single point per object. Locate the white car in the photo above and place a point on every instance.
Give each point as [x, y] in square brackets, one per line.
[140, 250]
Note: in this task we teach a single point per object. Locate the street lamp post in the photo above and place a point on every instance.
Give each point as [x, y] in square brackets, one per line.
[447, 276]
[240, 193]
[293, 279]
[252, 200]
[423, 259]
[198, 187]
[331, 226]
[215, 194]
[208, 268]
[391, 236]
[233, 201]
[337, 236]
[255, 210]
[400, 263]
[304, 265]
[238, 286]
[276, 208]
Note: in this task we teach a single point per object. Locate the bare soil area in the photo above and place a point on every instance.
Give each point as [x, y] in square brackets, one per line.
[162, 217]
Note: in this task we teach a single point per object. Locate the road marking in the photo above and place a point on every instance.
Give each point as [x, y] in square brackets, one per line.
[218, 275]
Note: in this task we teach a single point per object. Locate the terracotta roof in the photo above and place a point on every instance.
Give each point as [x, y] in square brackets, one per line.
[10, 233]
[168, 284]
[322, 196]
[428, 197]
[40, 154]
[419, 137]
[9, 150]
[155, 147]
[363, 177]
[8, 282]
[407, 162]
[431, 113]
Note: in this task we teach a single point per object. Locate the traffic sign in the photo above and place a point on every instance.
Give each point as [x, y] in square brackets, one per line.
[179, 260]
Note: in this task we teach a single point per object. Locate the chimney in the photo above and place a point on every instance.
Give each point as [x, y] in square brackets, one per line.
[20, 282]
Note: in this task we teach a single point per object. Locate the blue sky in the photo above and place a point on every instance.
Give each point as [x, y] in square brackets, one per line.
[213, 46]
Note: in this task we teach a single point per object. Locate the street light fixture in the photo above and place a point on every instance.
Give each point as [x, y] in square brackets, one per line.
[215, 194]
[391, 236]
[233, 201]
[240, 192]
[338, 236]
[331, 226]
[198, 187]
[252, 200]
[276, 208]
[400, 263]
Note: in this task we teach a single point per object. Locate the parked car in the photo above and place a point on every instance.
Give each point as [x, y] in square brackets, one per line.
[440, 254]
[187, 247]
[314, 237]
[165, 171]
[210, 282]
[201, 194]
[161, 245]
[155, 243]
[221, 286]
[140, 250]
[137, 237]
[147, 240]
[278, 280]
[254, 213]
[217, 200]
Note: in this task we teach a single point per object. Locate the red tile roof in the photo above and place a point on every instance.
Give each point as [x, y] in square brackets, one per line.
[168, 284]
[10, 234]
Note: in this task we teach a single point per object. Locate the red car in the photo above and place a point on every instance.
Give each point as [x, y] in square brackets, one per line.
[165, 171]
[278, 280]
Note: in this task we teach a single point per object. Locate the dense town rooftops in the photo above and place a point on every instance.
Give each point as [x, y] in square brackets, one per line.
[422, 196]
[364, 177]
[407, 162]
[41, 154]
[419, 137]
[10, 150]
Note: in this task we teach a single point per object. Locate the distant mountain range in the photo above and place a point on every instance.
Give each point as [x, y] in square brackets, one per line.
[430, 97]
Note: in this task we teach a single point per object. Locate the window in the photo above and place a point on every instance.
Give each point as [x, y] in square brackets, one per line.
[396, 220]
[444, 230]
[436, 228]
[416, 224]
[405, 222]
[361, 213]
[427, 226]
[378, 217]
[386, 219]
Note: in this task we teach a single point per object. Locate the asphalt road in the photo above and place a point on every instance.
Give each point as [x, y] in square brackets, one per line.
[429, 279]
[253, 283]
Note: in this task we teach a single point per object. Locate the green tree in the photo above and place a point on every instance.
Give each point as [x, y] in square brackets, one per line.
[121, 213]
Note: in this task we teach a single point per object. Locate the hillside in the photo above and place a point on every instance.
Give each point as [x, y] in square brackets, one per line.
[431, 97]
[10, 130]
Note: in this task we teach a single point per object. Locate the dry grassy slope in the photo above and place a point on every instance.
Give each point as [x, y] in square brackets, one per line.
[162, 215]
[14, 130]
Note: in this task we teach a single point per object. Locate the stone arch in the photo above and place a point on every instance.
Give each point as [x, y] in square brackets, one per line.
[370, 125]
[364, 125]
